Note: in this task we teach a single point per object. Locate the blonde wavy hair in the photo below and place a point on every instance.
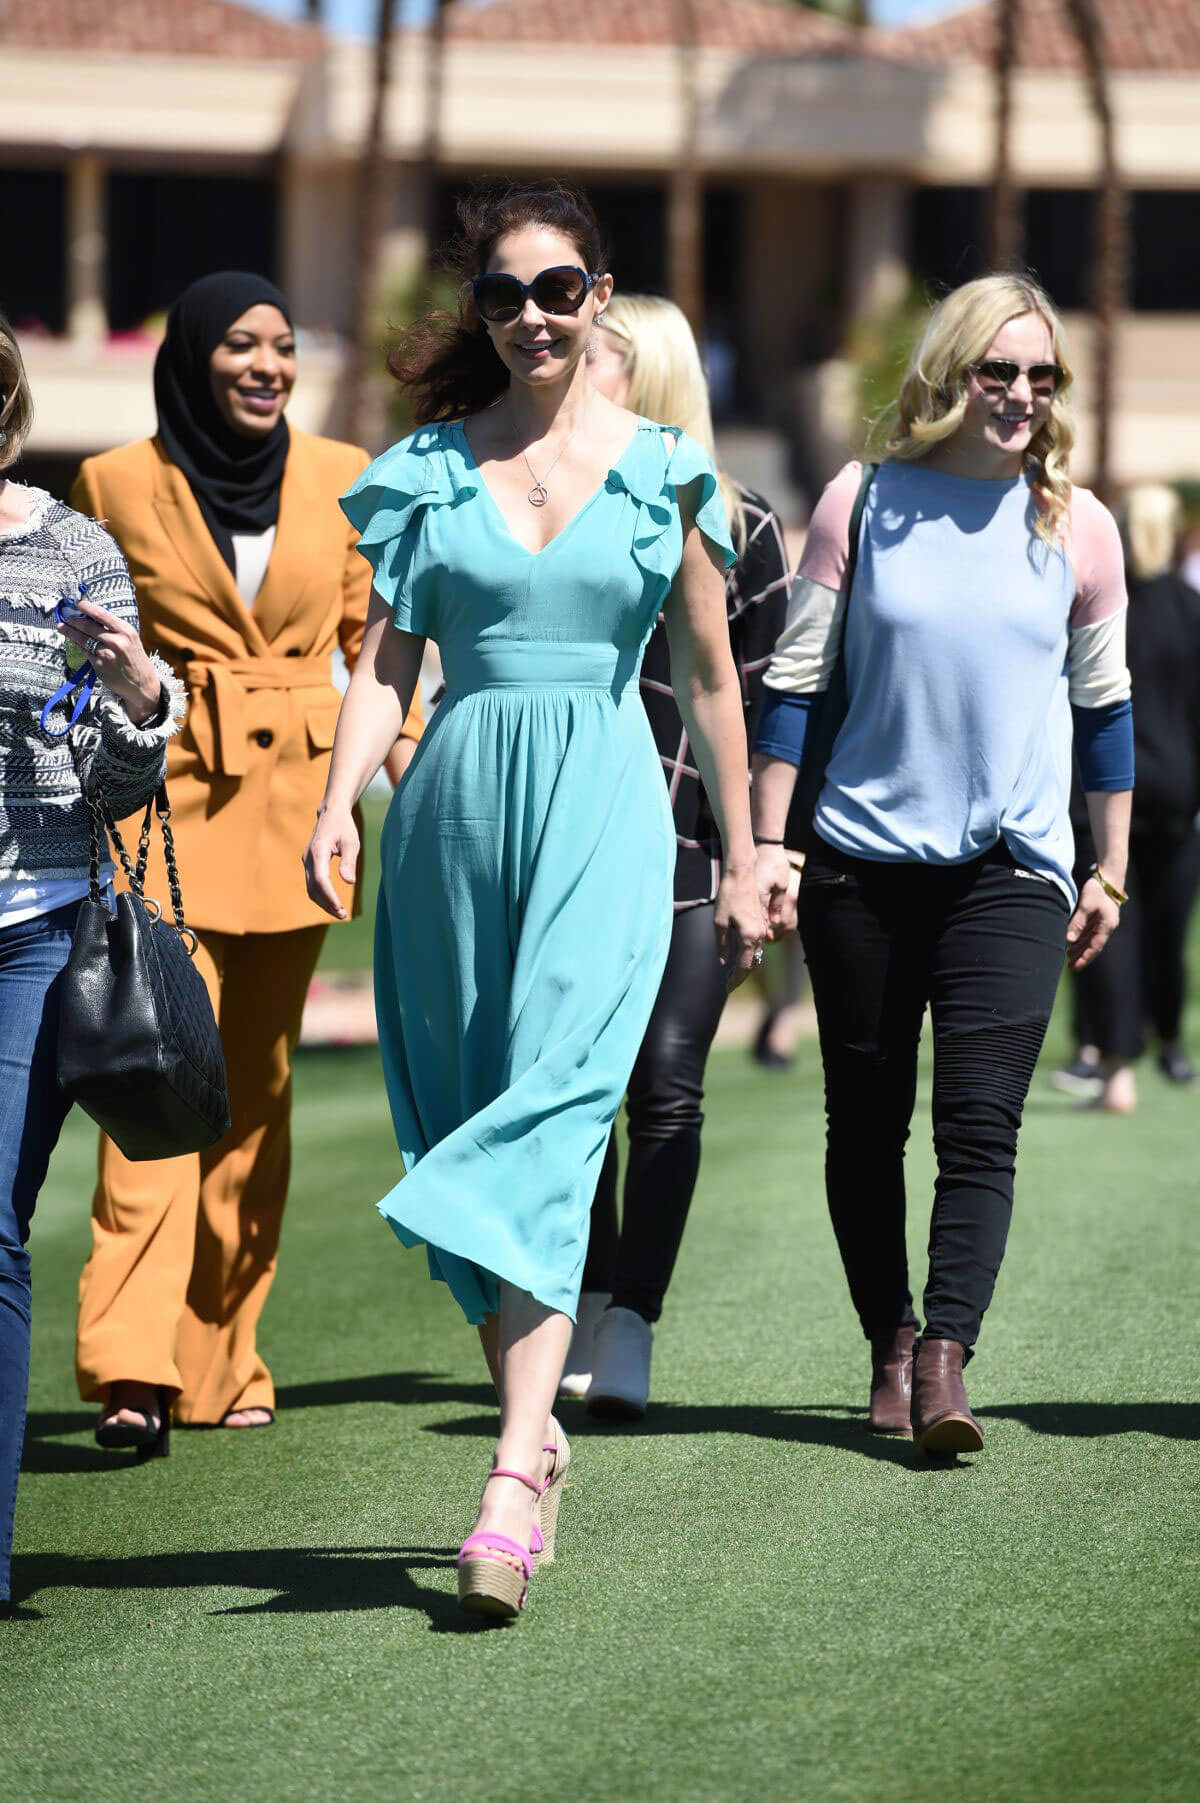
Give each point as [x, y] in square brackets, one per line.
[1151, 518]
[16, 402]
[666, 380]
[933, 395]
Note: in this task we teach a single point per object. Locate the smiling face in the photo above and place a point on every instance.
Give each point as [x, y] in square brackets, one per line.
[252, 371]
[538, 347]
[1000, 423]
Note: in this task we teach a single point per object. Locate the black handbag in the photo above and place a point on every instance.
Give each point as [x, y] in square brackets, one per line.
[829, 710]
[138, 1046]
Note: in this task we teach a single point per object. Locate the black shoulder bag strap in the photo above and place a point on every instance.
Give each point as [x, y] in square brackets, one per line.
[828, 711]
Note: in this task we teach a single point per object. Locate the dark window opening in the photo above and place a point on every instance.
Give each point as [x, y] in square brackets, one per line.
[633, 222]
[166, 230]
[1058, 243]
[948, 236]
[33, 229]
[722, 339]
[949, 239]
[1165, 264]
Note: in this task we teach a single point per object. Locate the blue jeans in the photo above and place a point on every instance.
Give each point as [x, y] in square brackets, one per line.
[32, 1111]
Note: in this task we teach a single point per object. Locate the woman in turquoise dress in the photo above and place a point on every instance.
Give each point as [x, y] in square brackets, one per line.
[535, 531]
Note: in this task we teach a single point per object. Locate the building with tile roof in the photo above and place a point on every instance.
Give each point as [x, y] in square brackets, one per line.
[1138, 35]
[215, 28]
[148, 141]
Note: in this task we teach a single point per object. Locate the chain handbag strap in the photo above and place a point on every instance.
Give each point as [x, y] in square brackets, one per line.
[163, 809]
[100, 820]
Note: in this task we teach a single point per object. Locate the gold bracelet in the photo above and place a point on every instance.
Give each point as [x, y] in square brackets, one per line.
[1110, 889]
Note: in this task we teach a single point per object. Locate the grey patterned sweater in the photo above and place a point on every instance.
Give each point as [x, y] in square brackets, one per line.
[43, 816]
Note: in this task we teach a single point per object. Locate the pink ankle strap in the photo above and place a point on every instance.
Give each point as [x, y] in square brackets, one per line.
[530, 1483]
[497, 1545]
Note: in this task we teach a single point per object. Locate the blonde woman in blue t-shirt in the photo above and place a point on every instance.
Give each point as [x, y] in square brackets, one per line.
[982, 641]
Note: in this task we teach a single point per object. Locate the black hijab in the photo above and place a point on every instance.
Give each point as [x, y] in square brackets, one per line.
[234, 479]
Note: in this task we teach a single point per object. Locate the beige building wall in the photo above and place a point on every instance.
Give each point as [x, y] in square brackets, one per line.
[825, 151]
[317, 241]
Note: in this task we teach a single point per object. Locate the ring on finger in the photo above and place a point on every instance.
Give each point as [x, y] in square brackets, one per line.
[91, 646]
[758, 955]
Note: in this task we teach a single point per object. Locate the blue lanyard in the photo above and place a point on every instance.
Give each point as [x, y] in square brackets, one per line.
[84, 680]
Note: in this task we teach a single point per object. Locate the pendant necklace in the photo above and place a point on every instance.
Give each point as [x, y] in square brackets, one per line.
[539, 494]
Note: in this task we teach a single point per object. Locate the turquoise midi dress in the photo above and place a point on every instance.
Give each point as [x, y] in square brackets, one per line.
[528, 852]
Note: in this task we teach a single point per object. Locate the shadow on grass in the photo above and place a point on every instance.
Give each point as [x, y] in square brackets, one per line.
[815, 1424]
[303, 1580]
[44, 1453]
[1099, 1420]
[820, 1423]
[386, 1386]
[845, 1429]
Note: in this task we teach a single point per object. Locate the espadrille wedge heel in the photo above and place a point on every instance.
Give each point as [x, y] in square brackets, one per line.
[493, 1569]
[545, 1512]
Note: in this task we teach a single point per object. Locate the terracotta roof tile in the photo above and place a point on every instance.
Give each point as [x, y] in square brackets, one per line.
[165, 27]
[748, 25]
[1136, 34]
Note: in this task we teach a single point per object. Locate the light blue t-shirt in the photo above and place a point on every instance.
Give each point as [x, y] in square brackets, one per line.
[959, 726]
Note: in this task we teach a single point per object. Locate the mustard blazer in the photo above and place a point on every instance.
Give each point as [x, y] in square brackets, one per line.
[247, 771]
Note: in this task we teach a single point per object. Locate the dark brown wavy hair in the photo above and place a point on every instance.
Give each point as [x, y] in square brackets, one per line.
[446, 362]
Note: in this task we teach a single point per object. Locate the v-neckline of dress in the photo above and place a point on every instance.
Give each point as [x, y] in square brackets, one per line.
[460, 426]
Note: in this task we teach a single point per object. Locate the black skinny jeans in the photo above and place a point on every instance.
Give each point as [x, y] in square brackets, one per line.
[666, 1089]
[982, 943]
[1141, 979]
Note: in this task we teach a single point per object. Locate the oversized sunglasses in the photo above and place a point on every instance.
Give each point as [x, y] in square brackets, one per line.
[998, 372]
[501, 298]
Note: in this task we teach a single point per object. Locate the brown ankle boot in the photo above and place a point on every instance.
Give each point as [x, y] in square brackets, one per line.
[891, 1381]
[941, 1415]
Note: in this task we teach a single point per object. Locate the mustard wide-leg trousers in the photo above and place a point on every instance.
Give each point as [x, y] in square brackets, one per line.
[184, 1249]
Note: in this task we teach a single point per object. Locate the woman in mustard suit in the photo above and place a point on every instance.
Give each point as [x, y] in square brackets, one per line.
[247, 580]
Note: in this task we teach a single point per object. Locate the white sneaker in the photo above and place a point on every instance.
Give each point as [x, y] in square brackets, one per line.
[621, 1366]
[577, 1372]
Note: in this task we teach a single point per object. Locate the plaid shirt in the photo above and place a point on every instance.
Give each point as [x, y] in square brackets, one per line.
[756, 591]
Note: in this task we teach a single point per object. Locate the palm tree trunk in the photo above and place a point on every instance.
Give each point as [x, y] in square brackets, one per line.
[1005, 237]
[1111, 241]
[685, 206]
[435, 74]
[370, 219]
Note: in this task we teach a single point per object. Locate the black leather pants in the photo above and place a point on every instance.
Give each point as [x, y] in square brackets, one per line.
[663, 1105]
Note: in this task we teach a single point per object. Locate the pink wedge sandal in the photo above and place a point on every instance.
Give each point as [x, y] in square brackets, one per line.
[545, 1512]
[488, 1582]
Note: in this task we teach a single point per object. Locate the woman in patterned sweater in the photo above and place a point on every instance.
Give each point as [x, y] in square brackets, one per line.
[645, 358]
[52, 561]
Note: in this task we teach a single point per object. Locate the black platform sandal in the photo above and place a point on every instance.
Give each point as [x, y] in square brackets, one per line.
[148, 1438]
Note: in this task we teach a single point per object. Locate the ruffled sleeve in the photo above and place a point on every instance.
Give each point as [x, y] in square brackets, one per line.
[654, 482]
[386, 507]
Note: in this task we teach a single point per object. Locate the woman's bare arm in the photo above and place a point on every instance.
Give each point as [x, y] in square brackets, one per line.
[373, 712]
[707, 690]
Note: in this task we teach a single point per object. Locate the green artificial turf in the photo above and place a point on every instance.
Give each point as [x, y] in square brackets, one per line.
[753, 1598]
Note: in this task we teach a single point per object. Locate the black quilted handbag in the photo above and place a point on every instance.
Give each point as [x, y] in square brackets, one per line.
[138, 1046]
